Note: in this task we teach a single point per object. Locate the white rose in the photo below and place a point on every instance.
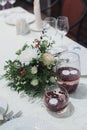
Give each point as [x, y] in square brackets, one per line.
[34, 82]
[34, 70]
[27, 55]
[48, 59]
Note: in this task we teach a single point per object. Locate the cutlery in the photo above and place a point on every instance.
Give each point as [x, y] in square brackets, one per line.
[18, 114]
[10, 116]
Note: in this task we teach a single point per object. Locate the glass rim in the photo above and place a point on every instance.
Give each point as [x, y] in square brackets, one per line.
[71, 52]
[62, 17]
[55, 87]
[50, 18]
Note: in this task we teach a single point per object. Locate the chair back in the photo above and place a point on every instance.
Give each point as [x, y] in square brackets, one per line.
[75, 11]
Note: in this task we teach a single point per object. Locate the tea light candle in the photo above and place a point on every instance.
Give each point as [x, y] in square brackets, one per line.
[65, 72]
[53, 101]
[73, 72]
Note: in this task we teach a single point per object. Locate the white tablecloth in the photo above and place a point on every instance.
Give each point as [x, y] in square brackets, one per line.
[9, 43]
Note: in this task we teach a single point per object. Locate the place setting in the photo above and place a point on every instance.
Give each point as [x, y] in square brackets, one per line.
[15, 121]
[14, 16]
[19, 18]
[5, 114]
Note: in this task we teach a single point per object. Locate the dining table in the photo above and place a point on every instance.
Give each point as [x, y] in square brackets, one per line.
[75, 118]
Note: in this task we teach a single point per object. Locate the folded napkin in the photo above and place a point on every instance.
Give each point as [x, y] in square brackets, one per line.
[22, 27]
[37, 12]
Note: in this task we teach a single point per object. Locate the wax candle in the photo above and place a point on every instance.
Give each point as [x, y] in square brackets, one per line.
[37, 12]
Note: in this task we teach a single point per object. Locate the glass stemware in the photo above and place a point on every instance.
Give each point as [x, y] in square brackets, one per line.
[49, 25]
[12, 2]
[3, 3]
[62, 30]
[62, 26]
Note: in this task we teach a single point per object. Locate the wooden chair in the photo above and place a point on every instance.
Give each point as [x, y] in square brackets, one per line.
[76, 12]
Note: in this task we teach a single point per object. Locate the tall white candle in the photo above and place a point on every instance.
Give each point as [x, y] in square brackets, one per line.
[37, 12]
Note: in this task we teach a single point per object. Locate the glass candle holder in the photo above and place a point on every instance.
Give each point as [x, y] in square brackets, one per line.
[56, 99]
[68, 70]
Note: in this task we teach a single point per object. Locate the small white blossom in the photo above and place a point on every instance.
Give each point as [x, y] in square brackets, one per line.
[17, 84]
[27, 55]
[34, 82]
[23, 82]
[34, 70]
[47, 81]
[52, 79]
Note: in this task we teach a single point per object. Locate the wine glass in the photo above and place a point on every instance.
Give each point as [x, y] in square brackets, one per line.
[62, 29]
[49, 26]
[62, 25]
[68, 70]
[12, 2]
[3, 3]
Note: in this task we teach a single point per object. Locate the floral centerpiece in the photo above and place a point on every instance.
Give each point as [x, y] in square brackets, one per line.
[33, 69]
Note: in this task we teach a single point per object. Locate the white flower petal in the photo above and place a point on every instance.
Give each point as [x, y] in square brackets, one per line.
[27, 55]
